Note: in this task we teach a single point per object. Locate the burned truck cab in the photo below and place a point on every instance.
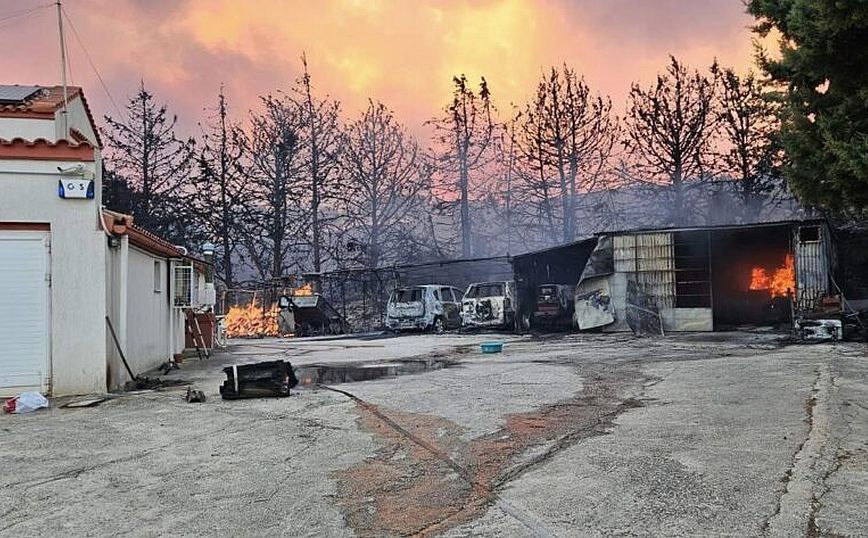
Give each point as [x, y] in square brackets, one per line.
[489, 304]
[554, 306]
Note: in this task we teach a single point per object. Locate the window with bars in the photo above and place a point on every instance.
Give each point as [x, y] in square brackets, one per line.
[183, 284]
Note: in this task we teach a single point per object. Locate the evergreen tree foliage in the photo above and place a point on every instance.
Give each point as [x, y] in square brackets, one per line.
[823, 68]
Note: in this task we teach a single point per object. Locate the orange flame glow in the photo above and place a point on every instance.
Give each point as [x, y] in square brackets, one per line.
[304, 290]
[251, 321]
[780, 283]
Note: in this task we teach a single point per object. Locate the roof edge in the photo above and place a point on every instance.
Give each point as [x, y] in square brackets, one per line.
[45, 150]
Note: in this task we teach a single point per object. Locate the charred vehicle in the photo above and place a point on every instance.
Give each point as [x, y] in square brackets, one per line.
[429, 307]
[555, 304]
[489, 304]
[309, 314]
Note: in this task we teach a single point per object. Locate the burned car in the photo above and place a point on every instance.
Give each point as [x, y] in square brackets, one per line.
[555, 304]
[428, 307]
[489, 304]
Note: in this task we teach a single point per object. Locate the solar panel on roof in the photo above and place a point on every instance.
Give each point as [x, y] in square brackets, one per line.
[16, 94]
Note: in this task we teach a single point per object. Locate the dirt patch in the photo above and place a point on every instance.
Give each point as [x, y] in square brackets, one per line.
[425, 479]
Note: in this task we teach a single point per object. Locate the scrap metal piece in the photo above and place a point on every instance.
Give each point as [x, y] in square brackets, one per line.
[257, 380]
[89, 402]
[194, 396]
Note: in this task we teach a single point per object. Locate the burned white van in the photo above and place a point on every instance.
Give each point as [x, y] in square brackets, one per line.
[429, 307]
[489, 304]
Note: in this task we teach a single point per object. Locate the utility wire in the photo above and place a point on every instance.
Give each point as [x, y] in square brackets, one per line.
[14, 16]
[23, 12]
[92, 65]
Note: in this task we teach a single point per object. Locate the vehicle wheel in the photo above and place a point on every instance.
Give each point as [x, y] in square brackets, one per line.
[439, 326]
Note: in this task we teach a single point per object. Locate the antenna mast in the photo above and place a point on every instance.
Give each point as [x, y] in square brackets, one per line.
[62, 68]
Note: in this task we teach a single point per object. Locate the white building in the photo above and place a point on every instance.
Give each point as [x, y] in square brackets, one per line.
[67, 266]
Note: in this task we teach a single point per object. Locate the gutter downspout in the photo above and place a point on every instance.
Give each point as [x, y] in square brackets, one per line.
[170, 270]
[123, 287]
[122, 284]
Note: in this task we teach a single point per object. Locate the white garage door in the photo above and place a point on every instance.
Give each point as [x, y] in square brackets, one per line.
[24, 311]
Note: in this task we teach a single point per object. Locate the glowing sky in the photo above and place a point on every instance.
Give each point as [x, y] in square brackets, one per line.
[403, 52]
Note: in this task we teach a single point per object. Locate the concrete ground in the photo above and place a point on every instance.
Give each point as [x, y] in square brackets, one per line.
[728, 434]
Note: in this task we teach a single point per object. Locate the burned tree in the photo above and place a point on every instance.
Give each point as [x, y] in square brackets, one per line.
[276, 152]
[154, 163]
[669, 128]
[222, 192]
[751, 129]
[565, 138]
[463, 138]
[387, 177]
[320, 124]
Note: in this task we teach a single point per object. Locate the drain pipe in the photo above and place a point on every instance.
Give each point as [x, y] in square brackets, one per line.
[122, 288]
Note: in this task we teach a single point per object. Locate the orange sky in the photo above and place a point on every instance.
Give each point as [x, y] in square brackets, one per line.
[403, 52]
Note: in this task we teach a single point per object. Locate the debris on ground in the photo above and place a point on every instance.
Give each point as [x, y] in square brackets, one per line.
[194, 396]
[168, 366]
[819, 329]
[261, 379]
[25, 402]
[88, 402]
[142, 383]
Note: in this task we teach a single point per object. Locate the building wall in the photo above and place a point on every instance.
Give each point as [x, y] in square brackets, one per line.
[77, 119]
[78, 306]
[147, 311]
[27, 128]
[154, 329]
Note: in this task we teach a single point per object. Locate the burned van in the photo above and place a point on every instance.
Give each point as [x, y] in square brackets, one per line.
[554, 306]
[429, 307]
[489, 304]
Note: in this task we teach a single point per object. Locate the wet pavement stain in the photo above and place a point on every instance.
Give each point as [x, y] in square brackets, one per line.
[311, 375]
[425, 479]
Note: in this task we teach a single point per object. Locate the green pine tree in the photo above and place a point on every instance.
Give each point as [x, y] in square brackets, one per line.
[823, 67]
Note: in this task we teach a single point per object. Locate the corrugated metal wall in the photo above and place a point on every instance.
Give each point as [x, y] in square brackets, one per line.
[650, 256]
[811, 245]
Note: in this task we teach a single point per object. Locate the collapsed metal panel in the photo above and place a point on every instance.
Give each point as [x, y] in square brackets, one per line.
[594, 307]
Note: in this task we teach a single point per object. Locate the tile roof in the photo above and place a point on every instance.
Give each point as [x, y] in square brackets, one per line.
[122, 224]
[46, 102]
[46, 150]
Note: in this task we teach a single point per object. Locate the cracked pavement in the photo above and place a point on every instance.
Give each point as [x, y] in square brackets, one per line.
[722, 434]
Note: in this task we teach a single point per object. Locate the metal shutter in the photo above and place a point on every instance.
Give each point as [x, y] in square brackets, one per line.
[24, 312]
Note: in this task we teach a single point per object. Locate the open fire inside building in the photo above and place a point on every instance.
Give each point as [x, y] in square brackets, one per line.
[694, 279]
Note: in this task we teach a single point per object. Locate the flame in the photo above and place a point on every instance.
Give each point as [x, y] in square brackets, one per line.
[304, 290]
[251, 321]
[780, 283]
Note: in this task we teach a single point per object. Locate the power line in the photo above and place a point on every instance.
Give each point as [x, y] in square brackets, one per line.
[90, 61]
[23, 12]
[14, 16]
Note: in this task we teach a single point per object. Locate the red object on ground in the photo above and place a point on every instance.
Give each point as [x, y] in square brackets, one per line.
[207, 322]
[9, 406]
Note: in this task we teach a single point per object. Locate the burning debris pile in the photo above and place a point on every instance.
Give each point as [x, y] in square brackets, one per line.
[251, 321]
[780, 283]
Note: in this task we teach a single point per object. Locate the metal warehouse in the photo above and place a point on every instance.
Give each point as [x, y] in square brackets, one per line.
[687, 279]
